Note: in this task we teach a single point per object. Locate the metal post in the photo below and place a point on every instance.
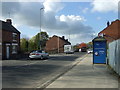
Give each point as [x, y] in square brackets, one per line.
[40, 28]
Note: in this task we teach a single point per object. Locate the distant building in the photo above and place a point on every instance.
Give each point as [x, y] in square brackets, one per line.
[112, 31]
[56, 44]
[82, 45]
[9, 40]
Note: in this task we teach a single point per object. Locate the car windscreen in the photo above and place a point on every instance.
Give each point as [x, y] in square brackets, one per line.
[39, 51]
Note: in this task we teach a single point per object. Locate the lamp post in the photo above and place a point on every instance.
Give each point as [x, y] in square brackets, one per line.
[40, 27]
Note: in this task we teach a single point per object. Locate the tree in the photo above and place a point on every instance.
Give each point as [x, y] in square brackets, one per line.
[37, 40]
[24, 45]
[44, 38]
[90, 45]
[31, 46]
[76, 48]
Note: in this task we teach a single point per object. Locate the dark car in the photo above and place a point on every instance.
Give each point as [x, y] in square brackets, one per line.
[83, 49]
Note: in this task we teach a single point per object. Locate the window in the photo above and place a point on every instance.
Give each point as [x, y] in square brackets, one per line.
[14, 36]
[40, 51]
[14, 49]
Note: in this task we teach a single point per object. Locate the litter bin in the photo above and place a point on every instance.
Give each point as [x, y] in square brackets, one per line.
[99, 50]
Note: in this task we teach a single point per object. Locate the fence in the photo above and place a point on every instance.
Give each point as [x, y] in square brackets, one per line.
[114, 55]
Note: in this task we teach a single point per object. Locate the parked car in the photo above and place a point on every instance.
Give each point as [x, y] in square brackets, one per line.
[77, 50]
[90, 51]
[84, 49]
[38, 54]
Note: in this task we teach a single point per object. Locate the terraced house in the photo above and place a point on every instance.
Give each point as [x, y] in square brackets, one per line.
[112, 31]
[9, 40]
[56, 44]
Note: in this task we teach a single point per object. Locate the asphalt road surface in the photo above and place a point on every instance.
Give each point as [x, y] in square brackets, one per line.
[35, 73]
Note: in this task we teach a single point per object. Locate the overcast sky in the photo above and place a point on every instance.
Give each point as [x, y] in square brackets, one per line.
[77, 21]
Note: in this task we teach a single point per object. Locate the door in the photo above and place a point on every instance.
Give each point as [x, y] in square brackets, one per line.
[7, 52]
[99, 52]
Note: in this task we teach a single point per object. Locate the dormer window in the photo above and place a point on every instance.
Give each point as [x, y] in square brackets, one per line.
[14, 36]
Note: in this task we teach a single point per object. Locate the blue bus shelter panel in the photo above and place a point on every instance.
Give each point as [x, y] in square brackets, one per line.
[99, 52]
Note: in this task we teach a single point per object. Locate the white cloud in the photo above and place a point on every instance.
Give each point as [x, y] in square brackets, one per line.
[105, 5]
[70, 23]
[52, 6]
[28, 14]
[71, 18]
[79, 38]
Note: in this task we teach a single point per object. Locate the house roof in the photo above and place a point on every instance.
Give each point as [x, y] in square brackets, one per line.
[8, 27]
[116, 21]
[65, 40]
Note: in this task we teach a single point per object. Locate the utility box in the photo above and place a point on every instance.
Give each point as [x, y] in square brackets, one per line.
[99, 50]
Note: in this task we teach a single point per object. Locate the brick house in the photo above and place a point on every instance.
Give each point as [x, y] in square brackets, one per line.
[112, 31]
[9, 40]
[56, 44]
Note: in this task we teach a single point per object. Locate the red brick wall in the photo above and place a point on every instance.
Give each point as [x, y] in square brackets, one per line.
[61, 45]
[118, 29]
[7, 37]
[52, 44]
[113, 31]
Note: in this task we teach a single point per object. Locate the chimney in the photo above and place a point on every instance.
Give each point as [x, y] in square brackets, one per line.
[108, 23]
[67, 40]
[63, 37]
[9, 21]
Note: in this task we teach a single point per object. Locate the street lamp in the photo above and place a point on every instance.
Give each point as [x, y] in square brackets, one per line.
[40, 27]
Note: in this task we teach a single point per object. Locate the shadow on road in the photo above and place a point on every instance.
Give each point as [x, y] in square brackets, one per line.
[18, 76]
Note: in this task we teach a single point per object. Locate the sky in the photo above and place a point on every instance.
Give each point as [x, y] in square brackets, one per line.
[79, 21]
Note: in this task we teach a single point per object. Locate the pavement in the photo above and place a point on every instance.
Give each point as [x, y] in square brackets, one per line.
[87, 75]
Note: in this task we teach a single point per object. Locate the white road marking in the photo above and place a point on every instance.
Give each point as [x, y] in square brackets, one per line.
[45, 60]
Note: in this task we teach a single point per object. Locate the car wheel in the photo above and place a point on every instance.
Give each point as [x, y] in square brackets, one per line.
[41, 57]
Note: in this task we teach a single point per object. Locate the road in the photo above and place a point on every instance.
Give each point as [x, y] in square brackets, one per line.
[35, 73]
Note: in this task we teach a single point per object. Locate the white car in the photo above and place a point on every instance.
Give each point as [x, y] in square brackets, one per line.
[38, 54]
[90, 51]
